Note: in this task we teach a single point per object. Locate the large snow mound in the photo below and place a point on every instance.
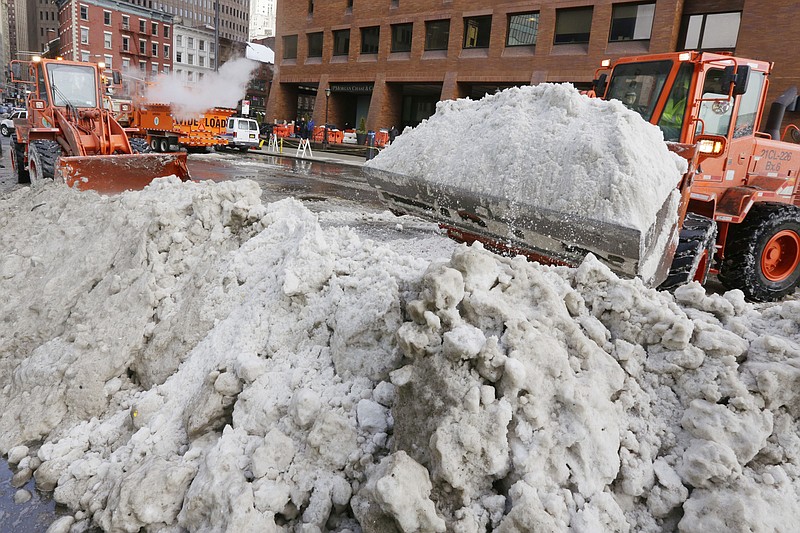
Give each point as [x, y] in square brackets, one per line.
[186, 357]
[545, 145]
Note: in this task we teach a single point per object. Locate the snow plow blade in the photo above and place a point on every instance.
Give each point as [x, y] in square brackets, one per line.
[117, 173]
[510, 226]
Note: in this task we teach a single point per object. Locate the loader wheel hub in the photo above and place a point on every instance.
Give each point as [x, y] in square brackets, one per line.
[781, 255]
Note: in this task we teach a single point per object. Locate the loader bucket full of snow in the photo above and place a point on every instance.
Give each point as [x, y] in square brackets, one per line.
[510, 225]
[117, 173]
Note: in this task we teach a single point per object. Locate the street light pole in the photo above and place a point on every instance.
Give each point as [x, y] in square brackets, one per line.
[325, 134]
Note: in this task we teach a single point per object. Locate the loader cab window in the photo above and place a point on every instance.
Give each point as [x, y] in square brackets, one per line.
[74, 85]
[638, 85]
[672, 117]
[715, 112]
[748, 107]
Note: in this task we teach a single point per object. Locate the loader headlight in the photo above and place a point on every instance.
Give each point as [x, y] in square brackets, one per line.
[710, 145]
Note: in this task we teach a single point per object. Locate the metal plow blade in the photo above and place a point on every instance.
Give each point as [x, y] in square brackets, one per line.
[117, 173]
[542, 234]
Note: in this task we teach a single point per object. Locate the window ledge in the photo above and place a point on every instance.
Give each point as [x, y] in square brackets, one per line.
[367, 58]
[519, 51]
[399, 56]
[289, 62]
[339, 59]
[467, 53]
[434, 54]
[313, 61]
[570, 49]
[628, 47]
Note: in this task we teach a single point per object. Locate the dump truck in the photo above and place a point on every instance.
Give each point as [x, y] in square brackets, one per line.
[70, 136]
[158, 124]
[739, 214]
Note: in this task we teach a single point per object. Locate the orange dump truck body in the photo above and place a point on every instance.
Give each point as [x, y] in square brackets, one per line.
[157, 122]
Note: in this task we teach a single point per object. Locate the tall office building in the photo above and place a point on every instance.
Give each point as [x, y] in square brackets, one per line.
[262, 19]
[234, 15]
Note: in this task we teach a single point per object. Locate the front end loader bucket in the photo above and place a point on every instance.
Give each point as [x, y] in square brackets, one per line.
[117, 173]
[553, 237]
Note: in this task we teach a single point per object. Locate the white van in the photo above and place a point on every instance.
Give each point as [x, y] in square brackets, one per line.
[242, 133]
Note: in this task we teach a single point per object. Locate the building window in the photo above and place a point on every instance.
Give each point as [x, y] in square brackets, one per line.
[166, 32]
[190, 59]
[201, 44]
[713, 31]
[178, 57]
[201, 61]
[126, 22]
[142, 47]
[142, 65]
[522, 29]
[477, 31]
[84, 12]
[142, 26]
[179, 40]
[154, 69]
[190, 42]
[190, 76]
[341, 42]
[154, 49]
[315, 44]
[107, 60]
[84, 35]
[166, 51]
[107, 18]
[310, 7]
[107, 40]
[631, 22]
[370, 37]
[290, 47]
[153, 28]
[84, 56]
[126, 44]
[165, 70]
[401, 37]
[126, 62]
[437, 33]
[573, 25]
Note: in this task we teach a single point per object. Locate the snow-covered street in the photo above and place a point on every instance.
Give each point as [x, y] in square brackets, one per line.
[187, 357]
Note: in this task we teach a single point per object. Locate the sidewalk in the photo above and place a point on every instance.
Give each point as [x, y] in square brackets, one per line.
[332, 155]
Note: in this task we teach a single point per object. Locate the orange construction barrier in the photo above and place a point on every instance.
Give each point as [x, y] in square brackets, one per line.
[381, 138]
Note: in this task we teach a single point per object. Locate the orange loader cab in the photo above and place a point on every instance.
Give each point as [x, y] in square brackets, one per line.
[742, 218]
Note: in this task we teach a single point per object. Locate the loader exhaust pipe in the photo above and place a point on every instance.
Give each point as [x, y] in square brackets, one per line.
[777, 110]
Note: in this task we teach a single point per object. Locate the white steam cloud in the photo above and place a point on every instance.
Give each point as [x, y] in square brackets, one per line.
[217, 89]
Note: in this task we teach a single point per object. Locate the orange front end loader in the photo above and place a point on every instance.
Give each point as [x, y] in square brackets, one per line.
[70, 137]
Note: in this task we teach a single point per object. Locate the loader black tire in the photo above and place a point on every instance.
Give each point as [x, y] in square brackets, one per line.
[762, 254]
[139, 145]
[18, 161]
[694, 253]
[42, 158]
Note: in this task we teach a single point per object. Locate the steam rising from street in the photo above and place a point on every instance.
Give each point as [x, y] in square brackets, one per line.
[217, 89]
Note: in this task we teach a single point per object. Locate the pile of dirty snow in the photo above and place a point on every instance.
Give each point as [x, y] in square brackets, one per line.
[547, 146]
[185, 356]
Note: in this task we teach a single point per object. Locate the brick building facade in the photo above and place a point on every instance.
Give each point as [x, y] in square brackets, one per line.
[390, 61]
[125, 36]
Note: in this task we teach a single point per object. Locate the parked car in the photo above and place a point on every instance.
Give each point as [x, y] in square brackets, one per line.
[7, 124]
